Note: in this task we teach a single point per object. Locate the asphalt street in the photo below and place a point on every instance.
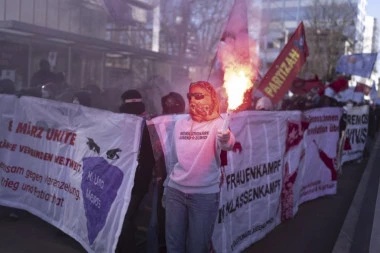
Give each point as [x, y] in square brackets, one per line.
[316, 226]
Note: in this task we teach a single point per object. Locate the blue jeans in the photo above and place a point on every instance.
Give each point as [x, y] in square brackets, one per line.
[190, 221]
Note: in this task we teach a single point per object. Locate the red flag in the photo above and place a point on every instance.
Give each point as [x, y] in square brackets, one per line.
[288, 64]
[303, 86]
[339, 85]
[361, 87]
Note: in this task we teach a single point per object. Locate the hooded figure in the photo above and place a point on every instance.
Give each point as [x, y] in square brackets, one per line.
[203, 102]
[173, 103]
[98, 100]
[43, 75]
[132, 103]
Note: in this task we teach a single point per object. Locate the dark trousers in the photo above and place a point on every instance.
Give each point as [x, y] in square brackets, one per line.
[156, 231]
[161, 220]
[127, 239]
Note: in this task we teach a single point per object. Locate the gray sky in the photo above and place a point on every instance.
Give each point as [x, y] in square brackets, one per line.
[373, 8]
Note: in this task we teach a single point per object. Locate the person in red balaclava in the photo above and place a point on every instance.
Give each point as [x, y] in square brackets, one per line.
[192, 191]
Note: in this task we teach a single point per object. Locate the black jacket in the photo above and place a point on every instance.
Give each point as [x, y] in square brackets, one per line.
[146, 162]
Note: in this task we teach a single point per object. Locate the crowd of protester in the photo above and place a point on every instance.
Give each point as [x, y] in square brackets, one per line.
[50, 85]
[151, 174]
[47, 84]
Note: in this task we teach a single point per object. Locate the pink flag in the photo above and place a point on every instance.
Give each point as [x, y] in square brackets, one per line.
[236, 49]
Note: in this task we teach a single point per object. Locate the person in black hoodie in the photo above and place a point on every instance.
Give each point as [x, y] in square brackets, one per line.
[132, 104]
[43, 75]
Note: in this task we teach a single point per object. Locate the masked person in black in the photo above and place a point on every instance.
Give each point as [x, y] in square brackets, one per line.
[132, 104]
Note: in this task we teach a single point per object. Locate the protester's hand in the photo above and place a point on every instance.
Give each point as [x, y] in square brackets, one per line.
[223, 137]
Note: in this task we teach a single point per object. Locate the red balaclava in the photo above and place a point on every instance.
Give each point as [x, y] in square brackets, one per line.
[203, 101]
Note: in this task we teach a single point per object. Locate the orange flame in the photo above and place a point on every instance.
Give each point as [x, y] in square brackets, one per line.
[236, 83]
[240, 61]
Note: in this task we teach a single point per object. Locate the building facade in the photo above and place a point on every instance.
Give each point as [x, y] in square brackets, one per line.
[281, 17]
[91, 41]
[371, 36]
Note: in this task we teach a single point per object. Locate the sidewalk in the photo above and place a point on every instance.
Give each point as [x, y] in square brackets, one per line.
[361, 229]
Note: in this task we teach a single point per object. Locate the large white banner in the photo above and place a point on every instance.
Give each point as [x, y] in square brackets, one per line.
[250, 197]
[356, 132]
[70, 165]
[319, 176]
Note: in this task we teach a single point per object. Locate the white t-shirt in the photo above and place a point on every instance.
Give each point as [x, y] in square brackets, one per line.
[198, 153]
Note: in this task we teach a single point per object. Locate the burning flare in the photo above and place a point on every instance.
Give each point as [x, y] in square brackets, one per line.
[236, 83]
[239, 60]
[238, 57]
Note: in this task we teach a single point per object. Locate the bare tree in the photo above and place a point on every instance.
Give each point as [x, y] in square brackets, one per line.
[88, 15]
[330, 33]
[192, 28]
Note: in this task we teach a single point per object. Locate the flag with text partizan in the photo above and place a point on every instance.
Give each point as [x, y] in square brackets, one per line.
[278, 80]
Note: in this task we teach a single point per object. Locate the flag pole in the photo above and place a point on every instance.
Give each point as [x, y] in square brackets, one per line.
[212, 66]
